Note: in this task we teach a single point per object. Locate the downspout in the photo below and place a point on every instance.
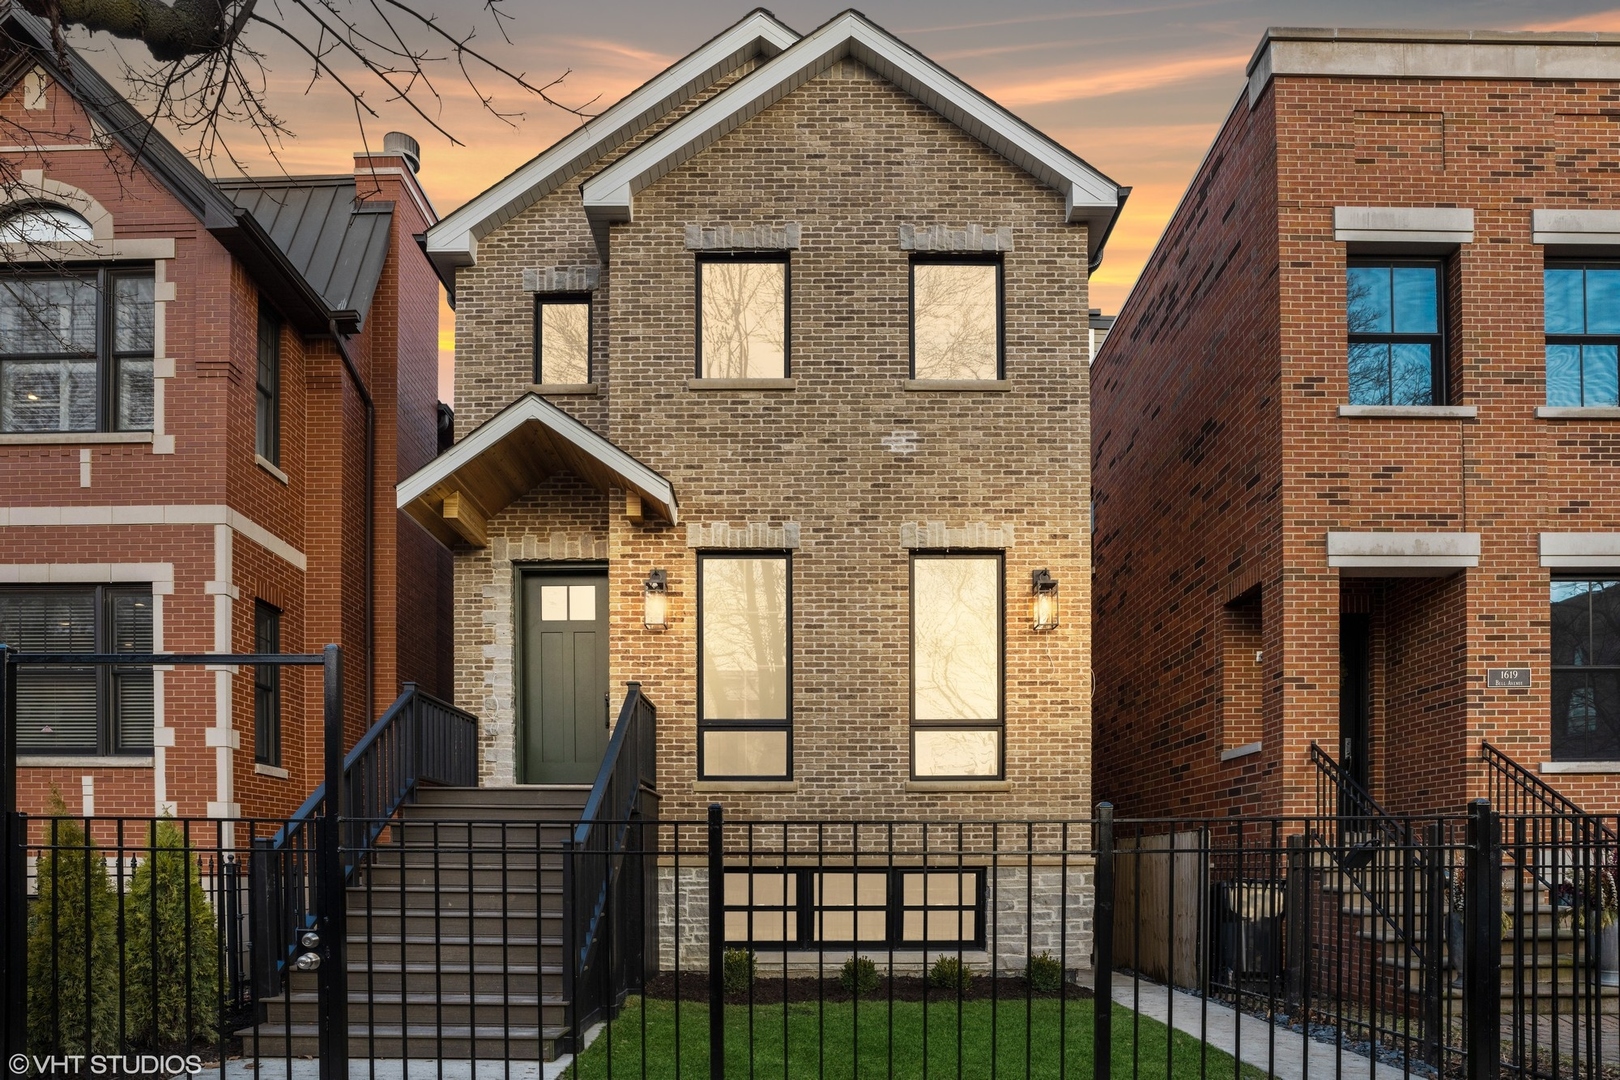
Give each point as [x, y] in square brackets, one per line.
[371, 513]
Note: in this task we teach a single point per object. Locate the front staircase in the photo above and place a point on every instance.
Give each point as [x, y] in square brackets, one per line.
[455, 935]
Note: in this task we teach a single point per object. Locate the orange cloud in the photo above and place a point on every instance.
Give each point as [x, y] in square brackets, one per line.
[1600, 21]
[1124, 79]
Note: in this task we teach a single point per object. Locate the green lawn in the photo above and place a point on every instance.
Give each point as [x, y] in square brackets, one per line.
[821, 1042]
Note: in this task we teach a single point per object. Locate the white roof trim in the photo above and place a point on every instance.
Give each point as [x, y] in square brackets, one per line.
[532, 408]
[1088, 195]
[454, 240]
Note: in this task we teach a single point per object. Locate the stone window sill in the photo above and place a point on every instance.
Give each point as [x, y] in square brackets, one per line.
[1550, 412]
[275, 771]
[1237, 752]
[741, 384]
[982, 386]
[269, 466]
[74, 438]
[557, 389]
[946, 787]
[724, 787]
[82, 761]
[1579, 768]
[1409, 412]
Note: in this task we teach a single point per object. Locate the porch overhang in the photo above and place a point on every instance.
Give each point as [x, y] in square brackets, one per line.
[456, 494]
[1402, 554]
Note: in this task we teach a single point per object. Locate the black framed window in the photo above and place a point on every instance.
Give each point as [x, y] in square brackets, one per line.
[1586, 669]
[76, 351]
[956, 317]
[745, 670]
[809, 907]
[958, 646]
[562, 338]
[88, 710]
[266, 685]
[1395, 310]
[1582, 310]
[742, 315]
[267, 442]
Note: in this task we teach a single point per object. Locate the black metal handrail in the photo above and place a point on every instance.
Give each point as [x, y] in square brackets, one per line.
[417, 740]
[1515, 791]
[597, 891]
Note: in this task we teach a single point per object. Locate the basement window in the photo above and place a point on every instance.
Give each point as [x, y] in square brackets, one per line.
[855, 907]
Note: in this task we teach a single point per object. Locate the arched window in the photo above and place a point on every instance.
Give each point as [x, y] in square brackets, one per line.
[44, 224]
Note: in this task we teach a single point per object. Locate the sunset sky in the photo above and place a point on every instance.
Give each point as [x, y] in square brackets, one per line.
[1137, 89]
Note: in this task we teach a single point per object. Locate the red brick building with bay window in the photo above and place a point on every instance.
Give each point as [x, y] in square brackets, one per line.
[207, 393]
[1355, 435]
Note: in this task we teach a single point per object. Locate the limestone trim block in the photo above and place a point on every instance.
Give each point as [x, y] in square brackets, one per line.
[755, 534]
[936, 534]
[974, 238]
[560, 279]
[743, 237]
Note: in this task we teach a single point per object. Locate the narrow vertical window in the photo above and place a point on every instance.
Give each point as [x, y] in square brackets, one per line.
[1397, 350]
[956, 319]
[266, 686]
[562, 339]
[1582, 310]
[957, 650]
[268, 443]
[1586, 670]
[131, 360]
[744, 670]
[742, 316]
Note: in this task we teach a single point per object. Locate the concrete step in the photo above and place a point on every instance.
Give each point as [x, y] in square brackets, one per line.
[379, 923]
[484, 900]
[566, 796]
[386, 1008]
[479, 833]
[420, 872]
[452, 951]
[430, 978]
[421, 1041]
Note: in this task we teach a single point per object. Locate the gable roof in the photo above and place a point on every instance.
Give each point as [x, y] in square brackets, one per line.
[454, 495]
[1089, 196]
[336, 244]
[278, 275]
[454, 240]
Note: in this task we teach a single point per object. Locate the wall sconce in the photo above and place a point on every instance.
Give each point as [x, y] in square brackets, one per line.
[656, 616]
[1043, 601]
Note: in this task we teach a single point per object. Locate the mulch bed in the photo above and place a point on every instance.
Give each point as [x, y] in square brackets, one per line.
[773, 990]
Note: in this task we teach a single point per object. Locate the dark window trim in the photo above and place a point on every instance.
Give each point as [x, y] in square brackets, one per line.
[542, 299]
[1558, 669]
[1439, 364]
[704, 724]
[267, 399]
[1000, 723]
[802, 903]
[947, 258]
[266, 685]
[783, 257]
[107, 676]
[1575, 339]
[105, 356]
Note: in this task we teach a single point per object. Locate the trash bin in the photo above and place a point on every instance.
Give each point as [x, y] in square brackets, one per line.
[1248, 930]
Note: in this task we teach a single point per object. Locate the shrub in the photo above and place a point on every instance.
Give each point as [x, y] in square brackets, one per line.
[859, 976]
[949, 973]
[1045, 974]
[72, 944]
[739, 970]
[171, 934]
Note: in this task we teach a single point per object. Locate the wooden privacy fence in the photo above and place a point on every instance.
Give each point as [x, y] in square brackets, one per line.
[1155, 888]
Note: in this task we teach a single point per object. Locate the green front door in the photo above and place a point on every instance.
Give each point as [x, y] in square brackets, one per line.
[565, 676]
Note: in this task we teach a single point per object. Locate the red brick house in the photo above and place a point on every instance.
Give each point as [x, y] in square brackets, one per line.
[1354, 436]
[207, 393]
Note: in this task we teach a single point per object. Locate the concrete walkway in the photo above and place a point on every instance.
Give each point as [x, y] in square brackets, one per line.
[384, 1069]
[1291, 1057]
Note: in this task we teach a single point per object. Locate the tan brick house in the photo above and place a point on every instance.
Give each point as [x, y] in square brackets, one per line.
[771, 396]
[201, 386]
[1354, 437]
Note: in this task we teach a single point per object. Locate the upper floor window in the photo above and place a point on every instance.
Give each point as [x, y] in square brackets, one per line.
[1397, 348]
[42, 223]
[744, 673]
[956, 318]
[266, 685]
[562, 338]
[81, 710]
[267, 438]
[1586, 670]
[76, 351]
[742, 307]
[1583, 334]
[957, 651]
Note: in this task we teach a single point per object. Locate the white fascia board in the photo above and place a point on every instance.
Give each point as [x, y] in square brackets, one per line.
[609, 195]
[452, 242]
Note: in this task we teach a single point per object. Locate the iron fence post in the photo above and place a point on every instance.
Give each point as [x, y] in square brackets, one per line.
[717, 944]
[1102, 935]
[1296, 900]
[1434, 917]
[1482, 932]
[13, 874]
[334, 991]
